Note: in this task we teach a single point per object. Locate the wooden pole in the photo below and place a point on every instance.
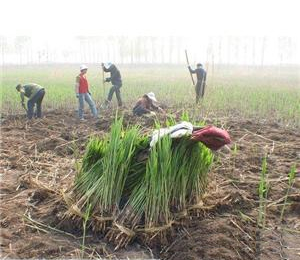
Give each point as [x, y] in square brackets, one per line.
[187, 61]
[103, 82]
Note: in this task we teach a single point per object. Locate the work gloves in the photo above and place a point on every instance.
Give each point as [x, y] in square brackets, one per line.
[77, 94]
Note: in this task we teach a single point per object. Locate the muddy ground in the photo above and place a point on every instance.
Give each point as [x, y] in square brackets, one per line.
[39, 158]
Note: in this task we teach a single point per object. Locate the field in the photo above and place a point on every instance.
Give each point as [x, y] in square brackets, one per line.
[241, 91]
[260, 109]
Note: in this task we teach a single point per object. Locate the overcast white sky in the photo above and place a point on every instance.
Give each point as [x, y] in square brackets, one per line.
[57, 22]
[58, 18]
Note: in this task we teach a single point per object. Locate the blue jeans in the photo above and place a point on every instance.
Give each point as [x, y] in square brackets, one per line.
[86, 97]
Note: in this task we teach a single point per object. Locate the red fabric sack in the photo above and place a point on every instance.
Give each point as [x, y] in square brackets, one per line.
[212, 137]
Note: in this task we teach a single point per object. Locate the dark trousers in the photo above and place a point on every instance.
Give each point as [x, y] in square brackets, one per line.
[112, 90]
[37, 99]
[139, 111]
[199, 88]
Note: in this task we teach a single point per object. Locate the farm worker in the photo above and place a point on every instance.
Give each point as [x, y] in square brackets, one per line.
[201, 81]
[35, 94]
[83, 94]
[116, 81]
[145, 105]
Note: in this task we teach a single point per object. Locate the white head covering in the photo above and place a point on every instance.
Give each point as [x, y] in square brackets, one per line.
[107, 65]
[83, 67]
[151, 95]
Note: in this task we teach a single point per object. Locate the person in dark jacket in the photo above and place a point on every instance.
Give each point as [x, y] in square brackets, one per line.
[35, 94]
[201, 81]
[116, 81]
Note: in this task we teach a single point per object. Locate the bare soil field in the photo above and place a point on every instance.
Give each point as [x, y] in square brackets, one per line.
[39, 159]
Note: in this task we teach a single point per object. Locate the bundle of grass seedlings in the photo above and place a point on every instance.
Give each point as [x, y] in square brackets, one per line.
[130, 187]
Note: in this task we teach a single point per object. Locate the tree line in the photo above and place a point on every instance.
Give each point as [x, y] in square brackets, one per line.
[248, 50]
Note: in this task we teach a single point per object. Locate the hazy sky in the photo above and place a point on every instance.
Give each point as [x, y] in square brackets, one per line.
[55, 23]
[58, 18]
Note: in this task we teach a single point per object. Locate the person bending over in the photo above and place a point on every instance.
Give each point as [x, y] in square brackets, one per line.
[35, 94]
[146, 105]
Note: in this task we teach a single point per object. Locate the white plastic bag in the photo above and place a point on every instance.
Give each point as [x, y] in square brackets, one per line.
[176, 131]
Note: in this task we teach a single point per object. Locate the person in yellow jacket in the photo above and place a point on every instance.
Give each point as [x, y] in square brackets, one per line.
[35, 94]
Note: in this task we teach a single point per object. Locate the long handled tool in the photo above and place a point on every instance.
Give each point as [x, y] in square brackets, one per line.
[103, 80]
[23, 105]
[187, 61]
[104, 88]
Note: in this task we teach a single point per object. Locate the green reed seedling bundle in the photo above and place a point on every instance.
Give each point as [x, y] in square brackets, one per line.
[137, 186]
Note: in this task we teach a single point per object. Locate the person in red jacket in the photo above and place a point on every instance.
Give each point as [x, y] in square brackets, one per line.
[83, 94]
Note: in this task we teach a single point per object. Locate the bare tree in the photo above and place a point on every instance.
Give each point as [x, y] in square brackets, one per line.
[263, 48]
[220, 50]
[153, 49]
[122, 44]
[3, 48]
[179, 49]
[21, 44]
[229, 43]
[171, 46]
[253, 50]
[162, 50]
